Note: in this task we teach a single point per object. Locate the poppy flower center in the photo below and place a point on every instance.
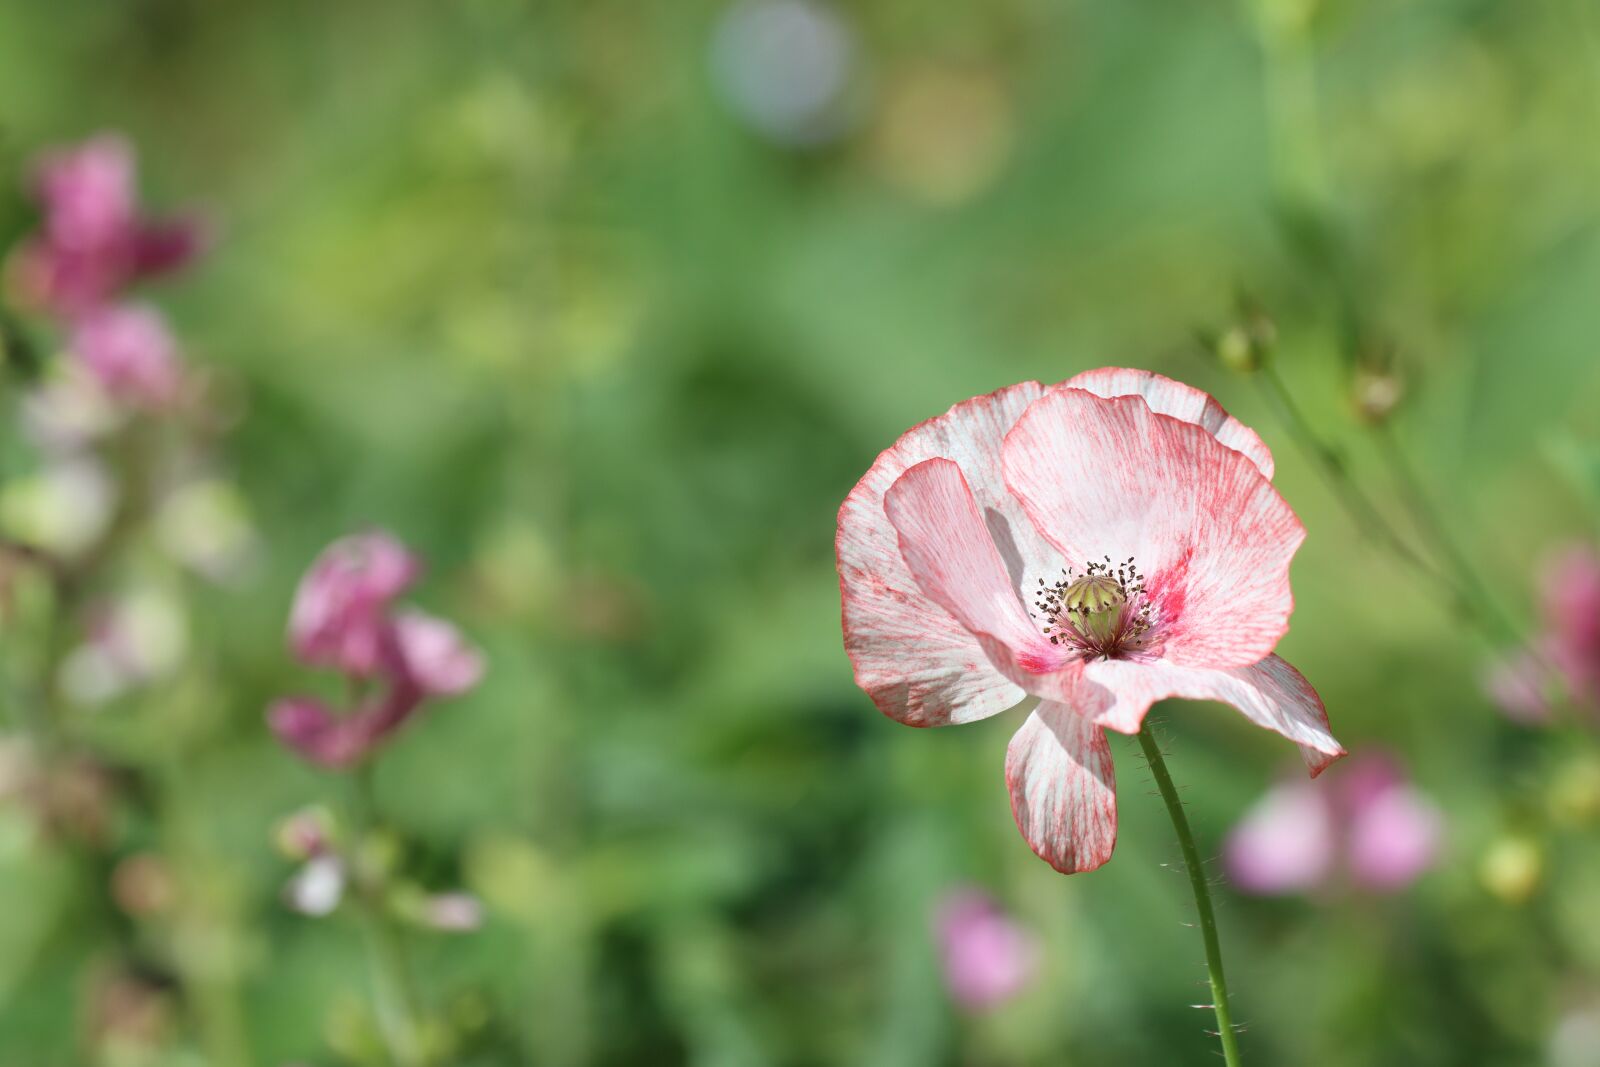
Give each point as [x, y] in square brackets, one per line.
[1101, 613]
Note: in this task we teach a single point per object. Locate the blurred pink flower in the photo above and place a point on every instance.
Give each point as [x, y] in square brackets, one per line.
[987, 958]
[1159, 510]
[434, 656]
[1285, 843]
[338, 741]
[93, 244]
[340, 618]
[1369, 825]
[1565, 654]
[1571, 597]
[1519, 684]
[130, 352]
[343, 618]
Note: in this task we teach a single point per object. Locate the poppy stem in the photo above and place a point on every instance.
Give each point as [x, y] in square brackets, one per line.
[1202, 895]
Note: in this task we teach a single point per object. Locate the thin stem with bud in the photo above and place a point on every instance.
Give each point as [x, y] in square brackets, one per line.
[1371, 522]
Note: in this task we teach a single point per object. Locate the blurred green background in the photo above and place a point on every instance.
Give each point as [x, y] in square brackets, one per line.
[604, 306]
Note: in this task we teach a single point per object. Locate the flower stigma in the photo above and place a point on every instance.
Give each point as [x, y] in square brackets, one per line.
[1101, 613]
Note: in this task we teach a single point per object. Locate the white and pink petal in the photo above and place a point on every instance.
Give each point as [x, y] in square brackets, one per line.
[1168, 397]
[1063, 788]
[919, 665]
[947, 546]
[1272, 694]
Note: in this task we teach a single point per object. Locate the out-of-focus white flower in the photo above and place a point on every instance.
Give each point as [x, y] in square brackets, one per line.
[317, 887]
[784, 66]
[1575, 1041]
[456, 913]
[61, 509]
[69, 411]
[205, 525]
[133, 640]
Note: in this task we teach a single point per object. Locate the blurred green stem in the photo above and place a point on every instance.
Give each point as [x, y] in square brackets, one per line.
[1436, 529]
[394, 996]
[1202, 895]
[1465, 592]
[1368, 519]
[1283, 29]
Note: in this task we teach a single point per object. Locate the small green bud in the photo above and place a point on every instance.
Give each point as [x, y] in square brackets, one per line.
[1235, 351]
[1512, 868]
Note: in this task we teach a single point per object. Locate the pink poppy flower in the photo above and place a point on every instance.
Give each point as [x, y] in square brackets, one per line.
[1138, 521]
[340, 617]
[1370, 826]
[130, 352]
[987, 958]
[93, 244]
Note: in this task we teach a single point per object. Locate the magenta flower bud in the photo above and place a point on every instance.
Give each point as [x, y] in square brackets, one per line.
[435, 657]
[131, 353]
[340, 614]
[987, 958]
[1285, 843]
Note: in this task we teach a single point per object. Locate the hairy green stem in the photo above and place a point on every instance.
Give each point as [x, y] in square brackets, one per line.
[1202, 895]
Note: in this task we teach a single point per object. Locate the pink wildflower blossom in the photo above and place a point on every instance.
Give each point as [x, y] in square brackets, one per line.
[987, 958]
[340, 617]
[1098, 545]
[93, 243]
[1369, 826]
[343, 618]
